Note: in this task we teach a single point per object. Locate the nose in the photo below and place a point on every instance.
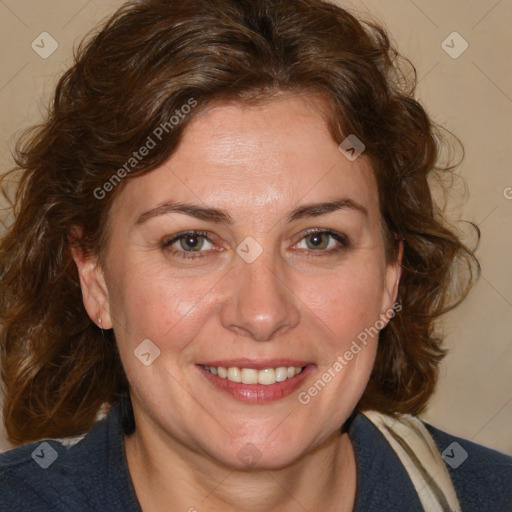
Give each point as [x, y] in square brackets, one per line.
[259, 302]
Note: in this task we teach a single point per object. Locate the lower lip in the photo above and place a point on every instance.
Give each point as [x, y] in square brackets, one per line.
[258, 393]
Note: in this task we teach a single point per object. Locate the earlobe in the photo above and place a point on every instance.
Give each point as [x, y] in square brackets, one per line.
[93, 285]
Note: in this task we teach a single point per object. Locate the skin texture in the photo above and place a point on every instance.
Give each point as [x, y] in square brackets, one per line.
[257, 163]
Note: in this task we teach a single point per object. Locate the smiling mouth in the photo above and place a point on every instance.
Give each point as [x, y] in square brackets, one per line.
[266, 383]
[265, 376]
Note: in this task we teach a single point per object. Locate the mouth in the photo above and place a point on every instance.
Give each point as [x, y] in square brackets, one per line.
[257, 382]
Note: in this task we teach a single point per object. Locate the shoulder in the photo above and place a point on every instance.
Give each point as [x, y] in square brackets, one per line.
[482, 477]
[23, 484]
[85, 473]
[43, 475]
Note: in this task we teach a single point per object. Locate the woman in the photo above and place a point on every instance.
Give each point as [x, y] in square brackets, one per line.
[225, 241]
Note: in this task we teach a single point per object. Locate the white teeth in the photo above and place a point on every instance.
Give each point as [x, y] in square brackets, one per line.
[251, 376]
[281, 373]
[267, 376]
[234, 375]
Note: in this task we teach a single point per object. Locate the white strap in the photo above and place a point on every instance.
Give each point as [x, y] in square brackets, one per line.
[419, 454]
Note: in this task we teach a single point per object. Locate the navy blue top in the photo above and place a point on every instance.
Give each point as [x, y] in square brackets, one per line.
[93, 475]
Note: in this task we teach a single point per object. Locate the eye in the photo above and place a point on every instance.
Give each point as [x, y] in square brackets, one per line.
[323, 241]
[186, 244]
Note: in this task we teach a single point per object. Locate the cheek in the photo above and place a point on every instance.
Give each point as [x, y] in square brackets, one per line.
[346, 303]
[150, 302]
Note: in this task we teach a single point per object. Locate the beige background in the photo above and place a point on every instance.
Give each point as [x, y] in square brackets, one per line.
[470, 95]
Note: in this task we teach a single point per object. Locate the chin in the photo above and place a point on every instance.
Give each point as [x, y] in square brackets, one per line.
[254, 456]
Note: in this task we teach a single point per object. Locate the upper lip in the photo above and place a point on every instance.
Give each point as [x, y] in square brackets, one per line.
[257, 364]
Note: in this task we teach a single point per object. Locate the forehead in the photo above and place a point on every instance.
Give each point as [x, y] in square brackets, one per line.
[275, 154]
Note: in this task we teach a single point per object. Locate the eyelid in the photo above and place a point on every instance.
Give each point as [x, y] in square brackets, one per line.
[167, 245]
[341, 238]
[168, 241]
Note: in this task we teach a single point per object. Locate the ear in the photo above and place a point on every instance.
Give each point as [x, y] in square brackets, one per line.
[391, 281]
[92, 282]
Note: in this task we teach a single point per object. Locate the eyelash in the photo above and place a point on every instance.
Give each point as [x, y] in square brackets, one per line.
[185, 254]
[342, 240]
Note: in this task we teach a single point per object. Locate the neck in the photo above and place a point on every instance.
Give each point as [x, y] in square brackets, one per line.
[169, 476]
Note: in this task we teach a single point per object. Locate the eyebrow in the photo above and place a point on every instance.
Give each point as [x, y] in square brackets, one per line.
[199, 212]
[223, 217]
[317, 209]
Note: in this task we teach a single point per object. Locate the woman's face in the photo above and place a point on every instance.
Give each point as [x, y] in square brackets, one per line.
[282, 265]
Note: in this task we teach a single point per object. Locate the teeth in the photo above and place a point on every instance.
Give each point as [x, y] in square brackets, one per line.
[234, 374]
[267, 376]
[251, 376]
[281, 373]
[248, 376]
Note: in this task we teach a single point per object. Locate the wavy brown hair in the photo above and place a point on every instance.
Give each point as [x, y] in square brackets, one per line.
[130, 77]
